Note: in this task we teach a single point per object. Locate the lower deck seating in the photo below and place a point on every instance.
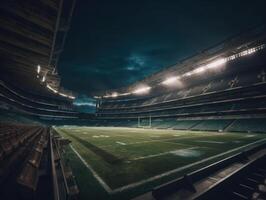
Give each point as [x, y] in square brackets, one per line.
[227, 125]
[185, 124]
[166, 123]
[249, 125]
[212, 125]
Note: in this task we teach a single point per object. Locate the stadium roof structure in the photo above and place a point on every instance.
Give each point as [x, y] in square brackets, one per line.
[243, 43]
[32, 37]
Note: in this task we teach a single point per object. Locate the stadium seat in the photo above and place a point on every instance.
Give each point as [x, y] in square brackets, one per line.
[28, 177]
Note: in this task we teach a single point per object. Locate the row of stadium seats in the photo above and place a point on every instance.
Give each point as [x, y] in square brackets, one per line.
[20, 146]
[35, 110]
[32, 165]
[29, 175]
[249, 125]
[11, 138]
[33, 99]
[29, 104]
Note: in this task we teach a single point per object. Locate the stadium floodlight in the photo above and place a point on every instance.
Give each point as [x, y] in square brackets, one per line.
[124, 94]
[187, 74]
[216, 63]
[71, 97]
[170, 80]
[52, 89]
[114, 94]
[65, 95]
[142, 90]
[38, 69]
[199, 70]
[43, 79]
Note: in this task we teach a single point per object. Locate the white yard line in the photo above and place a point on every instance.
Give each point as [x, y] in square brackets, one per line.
[121, 143]
[161, 154]
[211, 142]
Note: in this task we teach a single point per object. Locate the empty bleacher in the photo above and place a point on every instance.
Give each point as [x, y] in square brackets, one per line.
[26, 163]
[212, 125]
[34, 105]
[249, 125]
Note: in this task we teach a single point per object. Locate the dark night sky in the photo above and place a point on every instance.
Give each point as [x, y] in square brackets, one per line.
[113, 43]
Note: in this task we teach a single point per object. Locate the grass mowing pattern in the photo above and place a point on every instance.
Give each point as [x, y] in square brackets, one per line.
[122, 156]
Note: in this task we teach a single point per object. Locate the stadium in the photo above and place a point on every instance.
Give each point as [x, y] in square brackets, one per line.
[193, 127]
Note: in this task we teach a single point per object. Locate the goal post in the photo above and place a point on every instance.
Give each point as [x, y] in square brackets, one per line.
[144, 121]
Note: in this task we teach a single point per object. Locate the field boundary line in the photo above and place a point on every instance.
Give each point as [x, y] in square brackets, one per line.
[99, 179]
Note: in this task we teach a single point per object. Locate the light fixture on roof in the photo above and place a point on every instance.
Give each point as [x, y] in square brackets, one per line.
[170, 80]
[198, 70]
[187, 74]
[43, 78]
[212, 65]
[216, 63]
[142, 90]
[114, 94]
[38, 69]
[52, 89]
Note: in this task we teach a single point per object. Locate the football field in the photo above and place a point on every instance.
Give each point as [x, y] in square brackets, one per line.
[115, 163]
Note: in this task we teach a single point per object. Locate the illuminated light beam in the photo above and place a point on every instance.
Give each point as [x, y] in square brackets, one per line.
[187, 74]
[38, 69]
[115, 94]
[124, 94]
[216, 63]
[142, 90]
[52, 89]
[71, 97]
[170, 80]
[59, 93]
[65, 95]
[198, 70]
[43, 79]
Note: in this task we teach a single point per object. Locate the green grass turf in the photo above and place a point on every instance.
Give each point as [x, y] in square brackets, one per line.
[122, 156]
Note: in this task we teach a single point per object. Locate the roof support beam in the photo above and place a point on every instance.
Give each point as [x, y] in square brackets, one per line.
[28, 45]
[30, 16]
[23, 30]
